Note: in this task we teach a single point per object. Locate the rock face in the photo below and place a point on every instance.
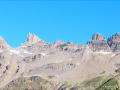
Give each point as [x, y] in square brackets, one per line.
[115, 38]
[114, 42]
[33, 43]
[32, 39]
[98, 43]
[97, 36]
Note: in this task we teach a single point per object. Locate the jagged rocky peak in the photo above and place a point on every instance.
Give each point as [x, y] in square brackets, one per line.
[97, 36]
[114, 42]
[98, 43]
[32, 43]
[3, 43]
[32, 38]
[115, 38]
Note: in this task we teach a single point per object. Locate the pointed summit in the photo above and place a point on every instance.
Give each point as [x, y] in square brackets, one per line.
[32, 39]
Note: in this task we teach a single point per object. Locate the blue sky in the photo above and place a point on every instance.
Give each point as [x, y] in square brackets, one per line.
[66, 20]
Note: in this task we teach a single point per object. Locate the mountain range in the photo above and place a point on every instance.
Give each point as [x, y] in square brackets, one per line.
[38, 65]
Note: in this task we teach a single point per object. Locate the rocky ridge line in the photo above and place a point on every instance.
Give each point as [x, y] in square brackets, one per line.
[97, 42]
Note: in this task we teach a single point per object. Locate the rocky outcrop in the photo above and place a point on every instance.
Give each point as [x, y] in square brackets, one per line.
[98, 43]
[114, 42]
[32, 38]
[68, 46]
[115, 38]
[97, 36]
[34, 43]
